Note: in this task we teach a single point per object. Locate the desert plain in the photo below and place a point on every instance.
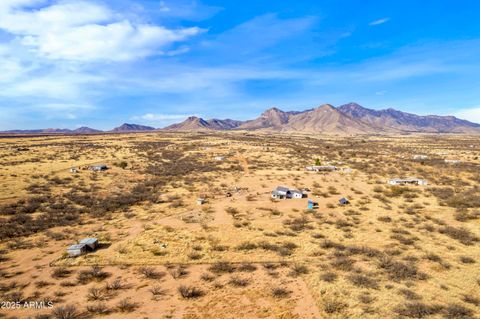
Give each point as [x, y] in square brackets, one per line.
[410, 251]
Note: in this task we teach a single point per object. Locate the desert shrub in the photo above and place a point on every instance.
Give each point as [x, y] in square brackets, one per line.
[94, 273]
[329, 276]
[363, 250]
[463, 235]
[207, 277]
[178, 272]
[327, 244]
[238, 282]
[65, 312]
[331, 306]
[409, 294]
[398, 271]
[150, 272]
[471, 300]
[195, 256]
[126, 305]
[116, 284]
[463, 215]
[96, 294]
[247, 267]
[403, 239]
[467, 260]
[455, 311]
[16, 296]
[61, 272]
[222, 267]
[280, 292]
[417, 310]
[157, 291]
[342, 263]
[385, 219]
[189, 292]
[121, 164]
[297, 270]
[363, 281]
[246, 246]
[42, 283]
[298, 224]
[98, 309]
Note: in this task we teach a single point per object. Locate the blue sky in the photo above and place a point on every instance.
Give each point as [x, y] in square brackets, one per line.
[69, 63]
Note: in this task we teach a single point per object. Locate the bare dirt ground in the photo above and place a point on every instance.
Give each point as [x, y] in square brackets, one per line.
[394, 251]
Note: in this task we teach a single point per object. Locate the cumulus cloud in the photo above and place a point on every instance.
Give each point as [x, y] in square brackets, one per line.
[85, 31]
[379, 21]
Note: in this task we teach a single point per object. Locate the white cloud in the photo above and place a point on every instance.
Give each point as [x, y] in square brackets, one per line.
[164, 7]
[379, 21]
[469, 114]
[160, 117]
[77, 30]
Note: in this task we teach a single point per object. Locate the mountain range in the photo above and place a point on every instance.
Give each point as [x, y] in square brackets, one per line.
[350, 118]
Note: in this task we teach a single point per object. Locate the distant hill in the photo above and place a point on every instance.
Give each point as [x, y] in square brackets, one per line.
[194, 123]
[85, 130]
[132, 128]
[397, 121]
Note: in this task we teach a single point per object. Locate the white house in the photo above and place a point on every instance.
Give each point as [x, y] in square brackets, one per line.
[450, 161]
[420, 157]
[297, 194]
[321, 168]
[407, 181]
[282, 192]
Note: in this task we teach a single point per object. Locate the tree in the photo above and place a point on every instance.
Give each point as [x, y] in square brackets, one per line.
[317, 162]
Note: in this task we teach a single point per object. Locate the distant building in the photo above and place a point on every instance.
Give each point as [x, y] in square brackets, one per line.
[282, 192]
[321, 168]
[343, 201]
[450, 161]
[77, 250]
[73, 170]
[407, 181]
[219, 158]
[98, 167]
[420, 157]
[91, 243]
[85, 245]
[312, 205]
[201, 201]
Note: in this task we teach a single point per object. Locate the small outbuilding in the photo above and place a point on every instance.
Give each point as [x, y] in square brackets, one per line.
[452, 161]
[281, 192]
[77, 250]
[219, 158]
[297, 194]
[343, 201]
[312, 205]
[90, 243]
[407, 181]
[73, 170]
[201, 201]
[321, 168]
[98, 167]
[420, 157]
